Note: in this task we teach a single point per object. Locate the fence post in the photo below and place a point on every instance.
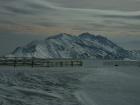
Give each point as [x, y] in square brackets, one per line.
[5, 62]
[72, 63]
[32, 62]
[81, 63]
[15, 62]
[24, 59]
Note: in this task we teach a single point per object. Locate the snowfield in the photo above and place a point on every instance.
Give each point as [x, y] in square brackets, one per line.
[111, 86]
[39, 86]
[70, 86]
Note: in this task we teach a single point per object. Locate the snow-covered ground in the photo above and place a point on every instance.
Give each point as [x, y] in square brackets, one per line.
[111, 86]
[39, 86]
[70, 86]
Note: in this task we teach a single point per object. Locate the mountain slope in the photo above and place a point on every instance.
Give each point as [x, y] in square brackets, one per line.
[135, 54]
[64, 45]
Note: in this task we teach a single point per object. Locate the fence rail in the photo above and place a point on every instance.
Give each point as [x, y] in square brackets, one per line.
[38, 62]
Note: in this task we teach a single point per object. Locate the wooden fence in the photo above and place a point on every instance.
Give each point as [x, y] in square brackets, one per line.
[37, 62]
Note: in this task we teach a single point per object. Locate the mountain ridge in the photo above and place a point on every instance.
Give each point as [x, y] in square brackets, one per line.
[63, 45]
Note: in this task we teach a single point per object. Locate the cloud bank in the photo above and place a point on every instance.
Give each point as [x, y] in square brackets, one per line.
[45, 14]
[112, 18]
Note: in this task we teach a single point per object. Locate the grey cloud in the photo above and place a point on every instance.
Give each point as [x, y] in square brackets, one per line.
[56, 15]
[19, 10]
[38, 6]
[47, 24]
[90, 27]
[101, 16]
[25, 7]
[62, 15]
[122, 16]
[7, 22]
[7, 1]
[127, 5]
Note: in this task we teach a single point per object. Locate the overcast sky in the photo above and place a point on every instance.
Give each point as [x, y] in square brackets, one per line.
[24, 20]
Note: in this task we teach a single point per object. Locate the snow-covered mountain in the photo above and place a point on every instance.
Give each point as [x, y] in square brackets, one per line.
[64, 45]
[135, 54]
